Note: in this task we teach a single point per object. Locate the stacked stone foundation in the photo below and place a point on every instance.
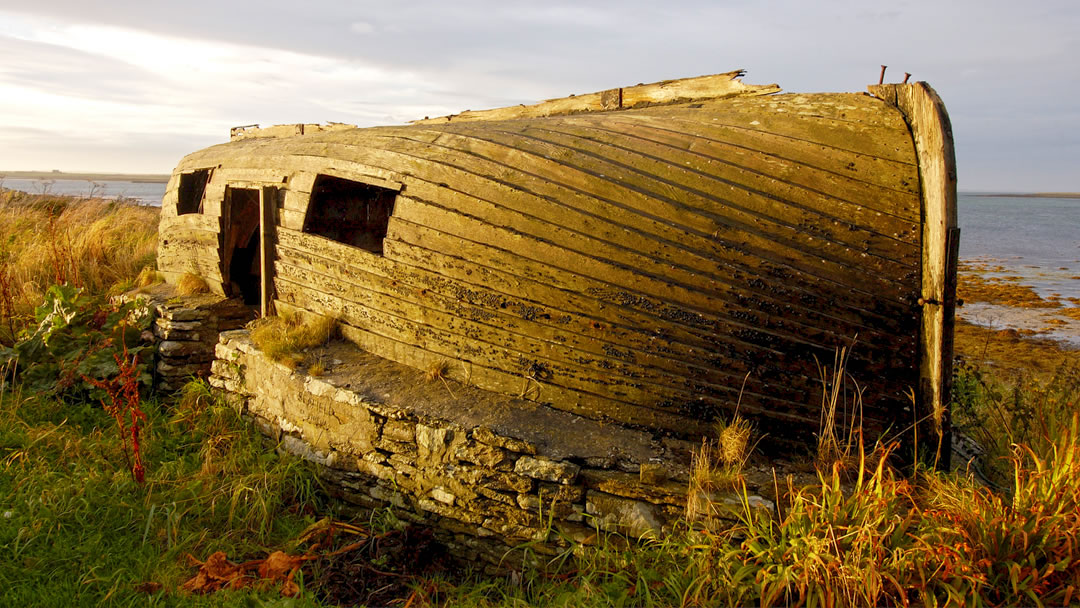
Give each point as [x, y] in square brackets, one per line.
[489, 483]
[186, 330]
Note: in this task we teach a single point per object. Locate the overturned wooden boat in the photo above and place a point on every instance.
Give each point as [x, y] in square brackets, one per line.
[657, 256]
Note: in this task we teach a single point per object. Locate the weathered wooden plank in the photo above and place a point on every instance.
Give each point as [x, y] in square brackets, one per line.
[386, 288]
[705, 317]
[727, 257]
[719, 242]
[835, 197]
[795, 295]
[293, 220]
[296, 223]
[509, 384]
[231, 174]
[497, 347]
[180, 255]
[845, 107]
[772, 215]
[267, 223]
[892, 175]
[303, 169]
[190, 235]
[290, 130]
[871, 140]
[669, 221]
[190, 221]
[183, 263]
[583, 270]
[668, 91]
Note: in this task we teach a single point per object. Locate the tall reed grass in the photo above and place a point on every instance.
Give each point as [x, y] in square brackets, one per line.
[91, 243]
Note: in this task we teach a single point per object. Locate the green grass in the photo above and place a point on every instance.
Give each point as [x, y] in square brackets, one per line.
[76, 530]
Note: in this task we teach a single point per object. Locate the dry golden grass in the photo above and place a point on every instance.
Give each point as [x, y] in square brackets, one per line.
[733, 441]
[96, 244]
[191, 284]
[147, 277]
[840, 426]
[284, 339]
[437, 371]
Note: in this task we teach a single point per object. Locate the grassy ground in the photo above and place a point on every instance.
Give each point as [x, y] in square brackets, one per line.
[76, 528]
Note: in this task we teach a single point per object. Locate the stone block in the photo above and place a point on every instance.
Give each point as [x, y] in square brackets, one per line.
[560, 492]
[505, 498]
[398, 447]
[451, 512]
[652, 473]
[495, 480]
[404, 465]
[377, 471]
[629, 485]
[485, 455]
[166, 324]
[399, 430]
[633, 517]
[173, 348]
[546, 470]
[443, 495]
[185, 314]
[486, 435]
[388, 496]
[547, 507]
[434, 444]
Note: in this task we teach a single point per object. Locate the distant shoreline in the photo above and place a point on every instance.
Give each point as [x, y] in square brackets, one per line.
[1031, 195]
[138, 178]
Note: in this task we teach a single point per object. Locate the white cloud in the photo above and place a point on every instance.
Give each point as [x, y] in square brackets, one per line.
[362, 27]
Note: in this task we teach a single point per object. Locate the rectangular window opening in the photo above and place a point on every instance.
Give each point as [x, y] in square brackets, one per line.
[350, 212]
[192, 188]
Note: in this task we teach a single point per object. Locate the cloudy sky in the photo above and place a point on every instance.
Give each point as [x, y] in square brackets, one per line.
[133, 85]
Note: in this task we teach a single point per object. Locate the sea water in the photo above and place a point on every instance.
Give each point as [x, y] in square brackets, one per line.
[145, 193]
[1037, 239]
[1033, 238]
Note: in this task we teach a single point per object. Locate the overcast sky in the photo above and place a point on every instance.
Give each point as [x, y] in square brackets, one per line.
[132, 86]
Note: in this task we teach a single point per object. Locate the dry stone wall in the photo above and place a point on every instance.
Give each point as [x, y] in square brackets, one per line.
[488, 477]
[185, 332]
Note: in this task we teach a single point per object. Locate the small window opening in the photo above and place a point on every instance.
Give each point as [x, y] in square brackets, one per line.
[192, 188]
[350, 212]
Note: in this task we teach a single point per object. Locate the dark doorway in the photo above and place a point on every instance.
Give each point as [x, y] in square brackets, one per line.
[242, 245]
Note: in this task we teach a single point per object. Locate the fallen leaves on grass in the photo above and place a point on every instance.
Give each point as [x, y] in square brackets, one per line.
[371, 569]
[277, 570]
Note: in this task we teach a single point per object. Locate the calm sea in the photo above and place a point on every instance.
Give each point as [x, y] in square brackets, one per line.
[1035, 238]
[146, 193]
